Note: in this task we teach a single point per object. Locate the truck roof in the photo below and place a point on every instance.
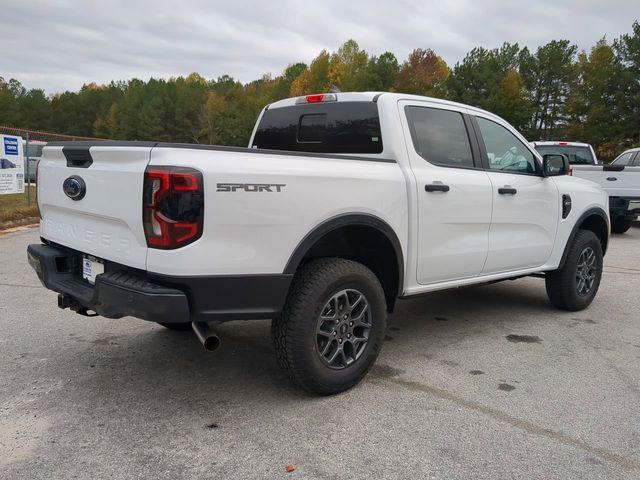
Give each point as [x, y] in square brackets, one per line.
[374, 96]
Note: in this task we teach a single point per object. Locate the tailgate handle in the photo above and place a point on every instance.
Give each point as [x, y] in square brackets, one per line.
[77, 156]
[612, 179]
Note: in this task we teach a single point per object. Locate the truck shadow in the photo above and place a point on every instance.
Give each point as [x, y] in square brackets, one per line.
[154, 361]
[152, 379]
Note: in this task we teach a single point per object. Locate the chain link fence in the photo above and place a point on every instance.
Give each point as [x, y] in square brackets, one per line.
[33, 143]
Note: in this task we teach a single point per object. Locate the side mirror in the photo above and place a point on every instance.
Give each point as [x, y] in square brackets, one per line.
[555, 164]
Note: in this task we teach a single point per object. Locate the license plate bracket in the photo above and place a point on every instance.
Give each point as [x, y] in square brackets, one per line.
[91, 267]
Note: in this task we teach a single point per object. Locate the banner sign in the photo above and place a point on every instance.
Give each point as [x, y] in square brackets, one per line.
[11, 164]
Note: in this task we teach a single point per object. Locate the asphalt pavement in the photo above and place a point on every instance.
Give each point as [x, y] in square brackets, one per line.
[481, 382]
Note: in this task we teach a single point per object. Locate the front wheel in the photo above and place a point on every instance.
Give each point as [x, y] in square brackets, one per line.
[574, 286]
[332, 326]
[620, 225]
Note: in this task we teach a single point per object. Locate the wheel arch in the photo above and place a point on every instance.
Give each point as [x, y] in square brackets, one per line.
[356, 236]
[594, 219]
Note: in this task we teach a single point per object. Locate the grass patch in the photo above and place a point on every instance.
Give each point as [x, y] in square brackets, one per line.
[15, 211]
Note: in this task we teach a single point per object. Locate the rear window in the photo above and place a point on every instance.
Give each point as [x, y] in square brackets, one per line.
[577, 155]
[337, 127]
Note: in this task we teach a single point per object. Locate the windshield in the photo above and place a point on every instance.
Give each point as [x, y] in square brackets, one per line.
[335, 127]
[577, 155]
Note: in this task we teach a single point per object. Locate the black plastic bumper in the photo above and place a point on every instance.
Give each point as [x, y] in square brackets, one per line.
[123, 291]
[627, 207]
[115, 294]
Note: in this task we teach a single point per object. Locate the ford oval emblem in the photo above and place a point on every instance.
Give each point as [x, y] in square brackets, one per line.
[74, 188]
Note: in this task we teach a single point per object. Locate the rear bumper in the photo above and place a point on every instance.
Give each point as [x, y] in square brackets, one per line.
[627, 207]
[123, 291]
[116, 293]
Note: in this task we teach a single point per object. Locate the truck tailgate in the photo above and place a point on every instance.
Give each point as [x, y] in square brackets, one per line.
[107, 221]
[617, 181]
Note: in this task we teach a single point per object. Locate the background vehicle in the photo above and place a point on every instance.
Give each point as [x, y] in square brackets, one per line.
[342, 204]
[34, 152]
[578, 153]
[628, 158]
[621, 184]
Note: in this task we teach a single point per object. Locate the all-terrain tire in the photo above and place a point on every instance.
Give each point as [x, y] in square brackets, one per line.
[294, 331]
[620, 225]
[563, 284]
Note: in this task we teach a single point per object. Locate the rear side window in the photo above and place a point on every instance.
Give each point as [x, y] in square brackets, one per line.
[440, 136]
[336, 127]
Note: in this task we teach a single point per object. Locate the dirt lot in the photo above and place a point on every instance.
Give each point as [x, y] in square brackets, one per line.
[483, 382]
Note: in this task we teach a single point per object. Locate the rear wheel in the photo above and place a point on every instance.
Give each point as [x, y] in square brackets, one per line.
[332, 326]
[180, 327]
[620, 225]
[574, 286]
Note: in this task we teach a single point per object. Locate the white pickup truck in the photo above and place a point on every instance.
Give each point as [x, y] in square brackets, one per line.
[620, 179]
[342, 204]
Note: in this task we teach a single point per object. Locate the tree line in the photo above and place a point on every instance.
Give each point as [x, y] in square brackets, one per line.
[554, 92]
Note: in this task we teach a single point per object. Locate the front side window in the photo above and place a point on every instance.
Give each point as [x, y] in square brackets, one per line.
[624, 159]
[440, 136]
[506, 153]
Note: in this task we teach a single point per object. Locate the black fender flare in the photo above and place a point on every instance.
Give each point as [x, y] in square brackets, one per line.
[592, 211]
[343, 220]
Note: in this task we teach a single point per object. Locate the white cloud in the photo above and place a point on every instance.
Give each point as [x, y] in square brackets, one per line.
[61, 45]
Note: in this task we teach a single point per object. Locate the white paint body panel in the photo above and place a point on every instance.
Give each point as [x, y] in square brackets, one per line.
[256, 232]
[523, 226]
[465, 236]
[107, 222]
[624, 183]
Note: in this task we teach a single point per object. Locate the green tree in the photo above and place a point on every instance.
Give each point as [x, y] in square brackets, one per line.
[382, 72]
[212, 118]
[314, 79]
[597, 103]
[348, 67]
[627, 49]
[9, 91]
[549, 76]
[490, 79]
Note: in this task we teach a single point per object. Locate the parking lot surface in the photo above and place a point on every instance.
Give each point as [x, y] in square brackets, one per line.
[482, 382]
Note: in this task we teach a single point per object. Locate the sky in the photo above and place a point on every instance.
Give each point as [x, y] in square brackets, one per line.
[61, 45]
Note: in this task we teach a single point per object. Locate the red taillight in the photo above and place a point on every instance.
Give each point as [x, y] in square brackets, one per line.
[173, 206]
[563, 144]
[570, 172]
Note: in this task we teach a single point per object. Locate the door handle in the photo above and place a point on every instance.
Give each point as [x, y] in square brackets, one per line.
[436, 187]
[611, 179]
[507, 190]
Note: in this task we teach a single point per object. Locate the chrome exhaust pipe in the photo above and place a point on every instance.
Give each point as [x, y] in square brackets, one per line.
[209, 338]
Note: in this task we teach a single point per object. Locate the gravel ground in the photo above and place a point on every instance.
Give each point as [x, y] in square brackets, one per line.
[482, 382]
